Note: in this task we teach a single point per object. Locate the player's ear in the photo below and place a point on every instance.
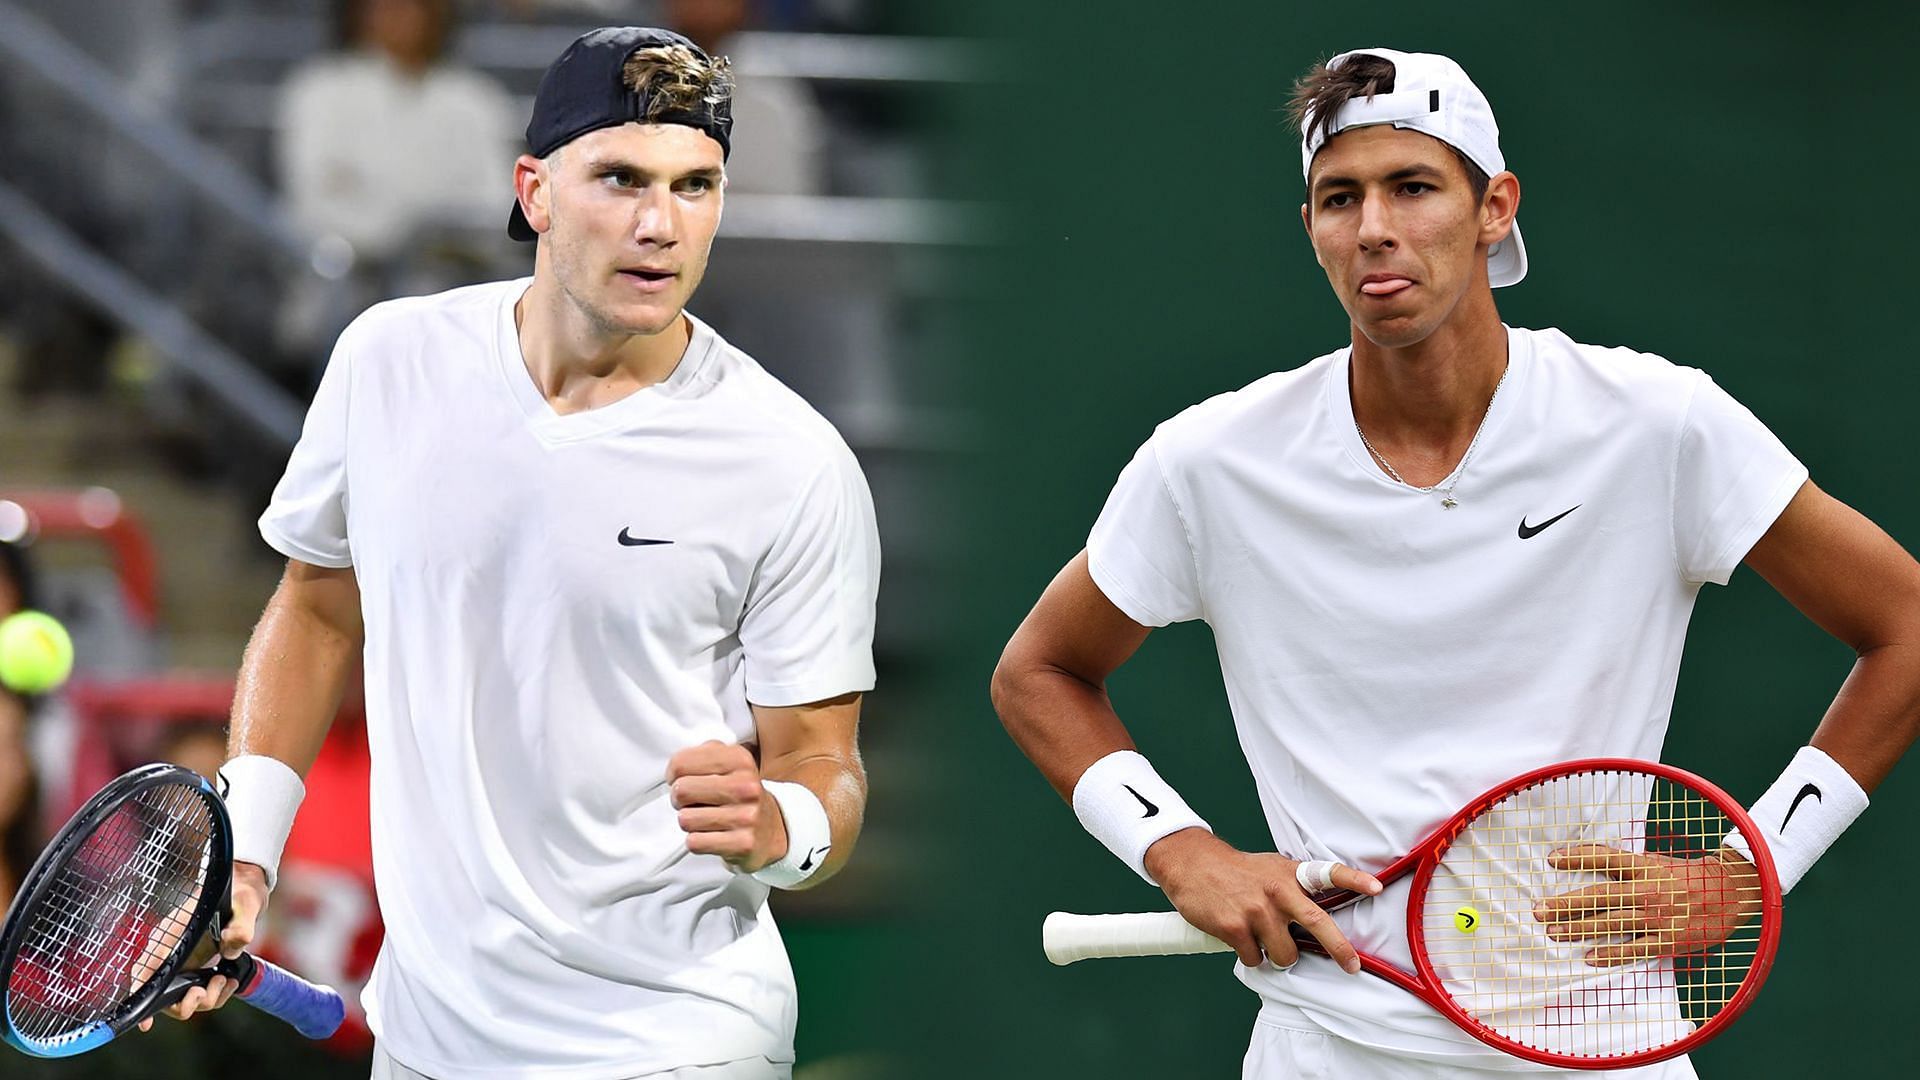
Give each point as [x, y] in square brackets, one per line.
[1499, 208]
[531, 185]
[1306, 222]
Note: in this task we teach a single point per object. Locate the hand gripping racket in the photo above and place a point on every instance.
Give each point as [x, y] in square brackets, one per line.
[1659, 946]
[129, 894]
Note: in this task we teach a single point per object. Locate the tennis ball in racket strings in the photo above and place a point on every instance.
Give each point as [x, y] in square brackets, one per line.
[1466, 919]
[36, 655]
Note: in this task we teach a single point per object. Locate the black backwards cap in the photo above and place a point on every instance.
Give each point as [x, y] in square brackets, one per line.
[584, 90]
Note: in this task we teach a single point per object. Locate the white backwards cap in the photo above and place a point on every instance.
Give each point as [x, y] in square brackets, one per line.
[1431, 94]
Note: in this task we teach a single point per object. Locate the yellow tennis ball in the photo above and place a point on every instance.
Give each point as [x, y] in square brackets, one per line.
[1466, 919]
[36, 655]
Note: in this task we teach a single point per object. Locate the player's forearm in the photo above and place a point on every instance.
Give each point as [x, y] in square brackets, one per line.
[1050, 686]
[1858, 584]
[1876, 714]
[839, 781]
[291, 680]
[1062, 722]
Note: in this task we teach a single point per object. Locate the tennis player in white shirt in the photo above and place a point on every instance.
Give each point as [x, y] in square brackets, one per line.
[1448, 553]
[615, 587]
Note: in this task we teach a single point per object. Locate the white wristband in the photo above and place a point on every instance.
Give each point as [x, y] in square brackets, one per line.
[1126, 806]
[809, 835]
[262, 795]
[1803, 813]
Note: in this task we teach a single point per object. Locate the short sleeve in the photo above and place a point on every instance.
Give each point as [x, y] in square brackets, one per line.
[1139, 552]
[807, 634]
[1732, 478]
[307, 519]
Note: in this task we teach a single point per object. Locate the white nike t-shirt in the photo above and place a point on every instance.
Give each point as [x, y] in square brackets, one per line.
[1387, 659]
[555, 605]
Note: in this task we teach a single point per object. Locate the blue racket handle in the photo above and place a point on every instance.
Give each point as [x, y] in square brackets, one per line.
[314, 1011]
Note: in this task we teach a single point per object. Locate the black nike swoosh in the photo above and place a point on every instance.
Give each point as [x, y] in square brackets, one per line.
[638, 541]
[819, 852]
[1795, 805]
[1528, 532]
[1151, 809]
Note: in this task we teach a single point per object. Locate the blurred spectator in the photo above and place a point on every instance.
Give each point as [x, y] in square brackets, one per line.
[197, 745]
[19, 783]
[386, 142]
[388, 135]
[19, 797]
[17, 591]
[780, 152]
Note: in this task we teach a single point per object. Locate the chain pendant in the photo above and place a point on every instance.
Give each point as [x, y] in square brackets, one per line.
[1447, 501]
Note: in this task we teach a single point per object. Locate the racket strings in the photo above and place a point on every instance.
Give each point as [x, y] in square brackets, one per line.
[1591, 914]
[115, 914]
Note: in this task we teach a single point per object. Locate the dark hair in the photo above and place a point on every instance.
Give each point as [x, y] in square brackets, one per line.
[1319, 94]
[20, 839]
[348, 14]
[15, 567]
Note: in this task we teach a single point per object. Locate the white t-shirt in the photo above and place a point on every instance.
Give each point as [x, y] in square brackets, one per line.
[555, 605]
[1387, 659]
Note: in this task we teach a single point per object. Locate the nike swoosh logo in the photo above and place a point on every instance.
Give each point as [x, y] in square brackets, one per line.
[628, 540]
[1151, 809]
[816, 853]
[1795, 805]
[1528, 532]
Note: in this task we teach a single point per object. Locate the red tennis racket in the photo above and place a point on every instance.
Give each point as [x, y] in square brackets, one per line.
[1584, 915]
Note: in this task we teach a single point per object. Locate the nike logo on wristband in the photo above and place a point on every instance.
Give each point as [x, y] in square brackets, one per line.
[817, 853]
[1795, 805]
[1151, 809]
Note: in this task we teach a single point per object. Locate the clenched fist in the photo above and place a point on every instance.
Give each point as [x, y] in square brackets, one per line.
[723, 809]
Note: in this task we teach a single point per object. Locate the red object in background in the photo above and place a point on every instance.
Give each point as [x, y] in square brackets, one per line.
[97, 513]
[323, 922]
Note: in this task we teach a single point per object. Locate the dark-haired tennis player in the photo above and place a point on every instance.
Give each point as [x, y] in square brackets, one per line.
[1446, 554]
[615, 587]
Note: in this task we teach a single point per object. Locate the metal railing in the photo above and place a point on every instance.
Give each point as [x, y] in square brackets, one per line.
[30, 45]
[263, 406]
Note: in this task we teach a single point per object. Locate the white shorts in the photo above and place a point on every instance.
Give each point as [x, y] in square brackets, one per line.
[1280, 1053]
[385, 1068]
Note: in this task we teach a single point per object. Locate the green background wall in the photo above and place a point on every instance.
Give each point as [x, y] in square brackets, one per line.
[1731, 186]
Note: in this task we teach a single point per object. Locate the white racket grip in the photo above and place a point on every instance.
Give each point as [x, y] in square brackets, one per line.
[1067, 937]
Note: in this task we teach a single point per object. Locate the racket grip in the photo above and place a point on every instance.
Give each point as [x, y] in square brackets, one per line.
[314, 1011]
[1068, 938]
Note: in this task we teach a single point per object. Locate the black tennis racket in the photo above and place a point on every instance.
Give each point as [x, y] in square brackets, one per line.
[128, 898]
